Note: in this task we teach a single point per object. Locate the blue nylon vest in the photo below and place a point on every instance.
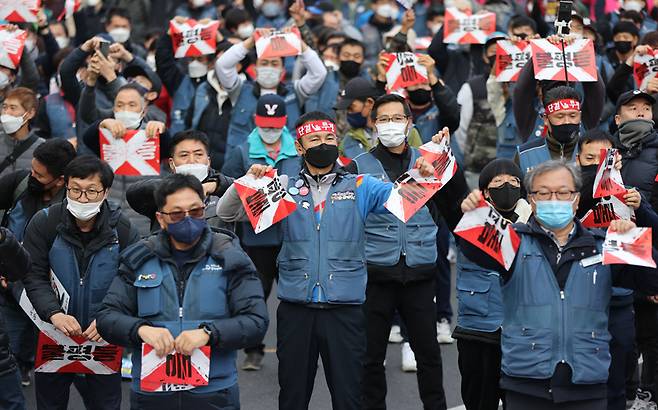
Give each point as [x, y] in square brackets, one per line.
[508, 135]
[242, 115]
[330, 254]
[351, 147]
[17, 221]
[59, 118]
[535, 152]
[183, 98]
[86, 292]
[201, 101]
[387, 237]
[204, 300]
[428, 125]
[544, 326]
[325, 98]
[480, 299]
[272, 235]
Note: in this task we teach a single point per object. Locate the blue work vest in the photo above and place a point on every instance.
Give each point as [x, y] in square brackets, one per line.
[60, 120]
[17, 220]
[508, 134]
[201, 101]
[272, 235]
[183, 98]
[242, 116]
[204, 300]
[535, 152]
[86, 291]
[387, 237]
[480, 299]
[544, 326]
[325, 98]
[329, 254]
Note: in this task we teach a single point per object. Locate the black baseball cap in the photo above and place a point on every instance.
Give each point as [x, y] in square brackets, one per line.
[135, 70]
[626, 97]
[358, 88]
[270, 112]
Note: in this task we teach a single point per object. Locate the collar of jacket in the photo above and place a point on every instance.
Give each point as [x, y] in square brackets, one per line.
[161, 246]
[281, 89]
[257, 147]
[582, 237]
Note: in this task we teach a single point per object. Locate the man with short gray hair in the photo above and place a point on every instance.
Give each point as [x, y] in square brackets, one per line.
[556, 298]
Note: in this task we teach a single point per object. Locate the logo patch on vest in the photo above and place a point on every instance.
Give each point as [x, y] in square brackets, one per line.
[213, 267]
[343, 196]
[147, 276]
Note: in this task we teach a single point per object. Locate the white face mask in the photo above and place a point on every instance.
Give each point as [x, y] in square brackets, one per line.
[245, 31]
[392, 134]
[129, 119]
[93, 2]
[4, 80]
[270, 135]
[83, 211]
[200, 171]
[120, 34]
[62, 41]
[268, 77]
[331, 65]
[150, 60]
[198, 3]
[197, 69]
[258, 4]
[11, 124]
[434, 28]
[387, 11]
[633, 6]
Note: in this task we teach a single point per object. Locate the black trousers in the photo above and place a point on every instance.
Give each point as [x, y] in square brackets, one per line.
[622, 350]
[414, 301]
[99, 392]
[338, 336]
[479, 366]
[646, 320]
[518, 401]
[228, 399]
[264, 257]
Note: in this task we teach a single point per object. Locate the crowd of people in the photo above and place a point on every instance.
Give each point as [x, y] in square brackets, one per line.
[173, 261]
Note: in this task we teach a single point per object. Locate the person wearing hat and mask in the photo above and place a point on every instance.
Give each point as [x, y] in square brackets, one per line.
[480, 298]
[269, 80]
[626, 37]
[78, 241]
[402, 259]
[322, 270]
[270, 143]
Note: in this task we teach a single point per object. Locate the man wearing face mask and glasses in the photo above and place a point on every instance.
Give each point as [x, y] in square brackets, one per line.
[269, 77]
[79, 241]
[562, 119]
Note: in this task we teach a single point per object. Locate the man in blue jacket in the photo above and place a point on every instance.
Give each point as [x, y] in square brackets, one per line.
[187, 286]
[322, 270]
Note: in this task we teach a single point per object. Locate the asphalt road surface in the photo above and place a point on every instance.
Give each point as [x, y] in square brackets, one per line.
[259, 390]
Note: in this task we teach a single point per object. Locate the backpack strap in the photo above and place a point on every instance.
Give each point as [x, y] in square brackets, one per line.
[18, 151]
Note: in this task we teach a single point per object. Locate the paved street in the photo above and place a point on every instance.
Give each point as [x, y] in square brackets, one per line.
[258, 390]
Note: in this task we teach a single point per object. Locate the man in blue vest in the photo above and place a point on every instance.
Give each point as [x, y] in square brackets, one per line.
[322, 271]
[186, 287]
[270, 143]
[562, 119]
[269, 75]
[556, 296]
[402, 260]
[24, 193]
[78, 241]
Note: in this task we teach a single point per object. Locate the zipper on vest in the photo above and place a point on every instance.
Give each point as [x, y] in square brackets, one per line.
[562, 294]
[180, 312]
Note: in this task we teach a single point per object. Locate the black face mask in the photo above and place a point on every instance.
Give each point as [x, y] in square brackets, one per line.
[586, 202]
[321, 156]
[505, 197]
[623, 46]
[35, 187]
[420, 96]
[350, 68]
[564, 133]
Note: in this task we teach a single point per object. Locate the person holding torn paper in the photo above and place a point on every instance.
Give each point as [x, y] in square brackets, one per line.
[186, 287]
[556, 297]
[322, 270]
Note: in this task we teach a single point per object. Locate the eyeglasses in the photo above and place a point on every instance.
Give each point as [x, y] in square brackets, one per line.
[178, 216]
[395, 118]
[90, 194]
[561, 195]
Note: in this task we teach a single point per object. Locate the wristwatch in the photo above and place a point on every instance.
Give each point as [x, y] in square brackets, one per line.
[207, 329]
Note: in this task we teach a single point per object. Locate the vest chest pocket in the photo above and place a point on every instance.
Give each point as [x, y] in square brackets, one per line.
[473, 291]
[343, 221]
[149, 294]
[526, 352]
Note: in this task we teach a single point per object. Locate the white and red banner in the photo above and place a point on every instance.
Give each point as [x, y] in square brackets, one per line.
[175, 371]
[403, 70]
[607, 181]
[549, 61]
[19, 11]
[265, 200]
[134, 154]
[410, 192]
[422, 43]
[70, 7]
[631, 248]
[442, 159]
[511, 57]
[645, 67]
[606, 211]
[193, 39]
[466, 28]
[12, 44]
[485, 228]
[279, 43]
